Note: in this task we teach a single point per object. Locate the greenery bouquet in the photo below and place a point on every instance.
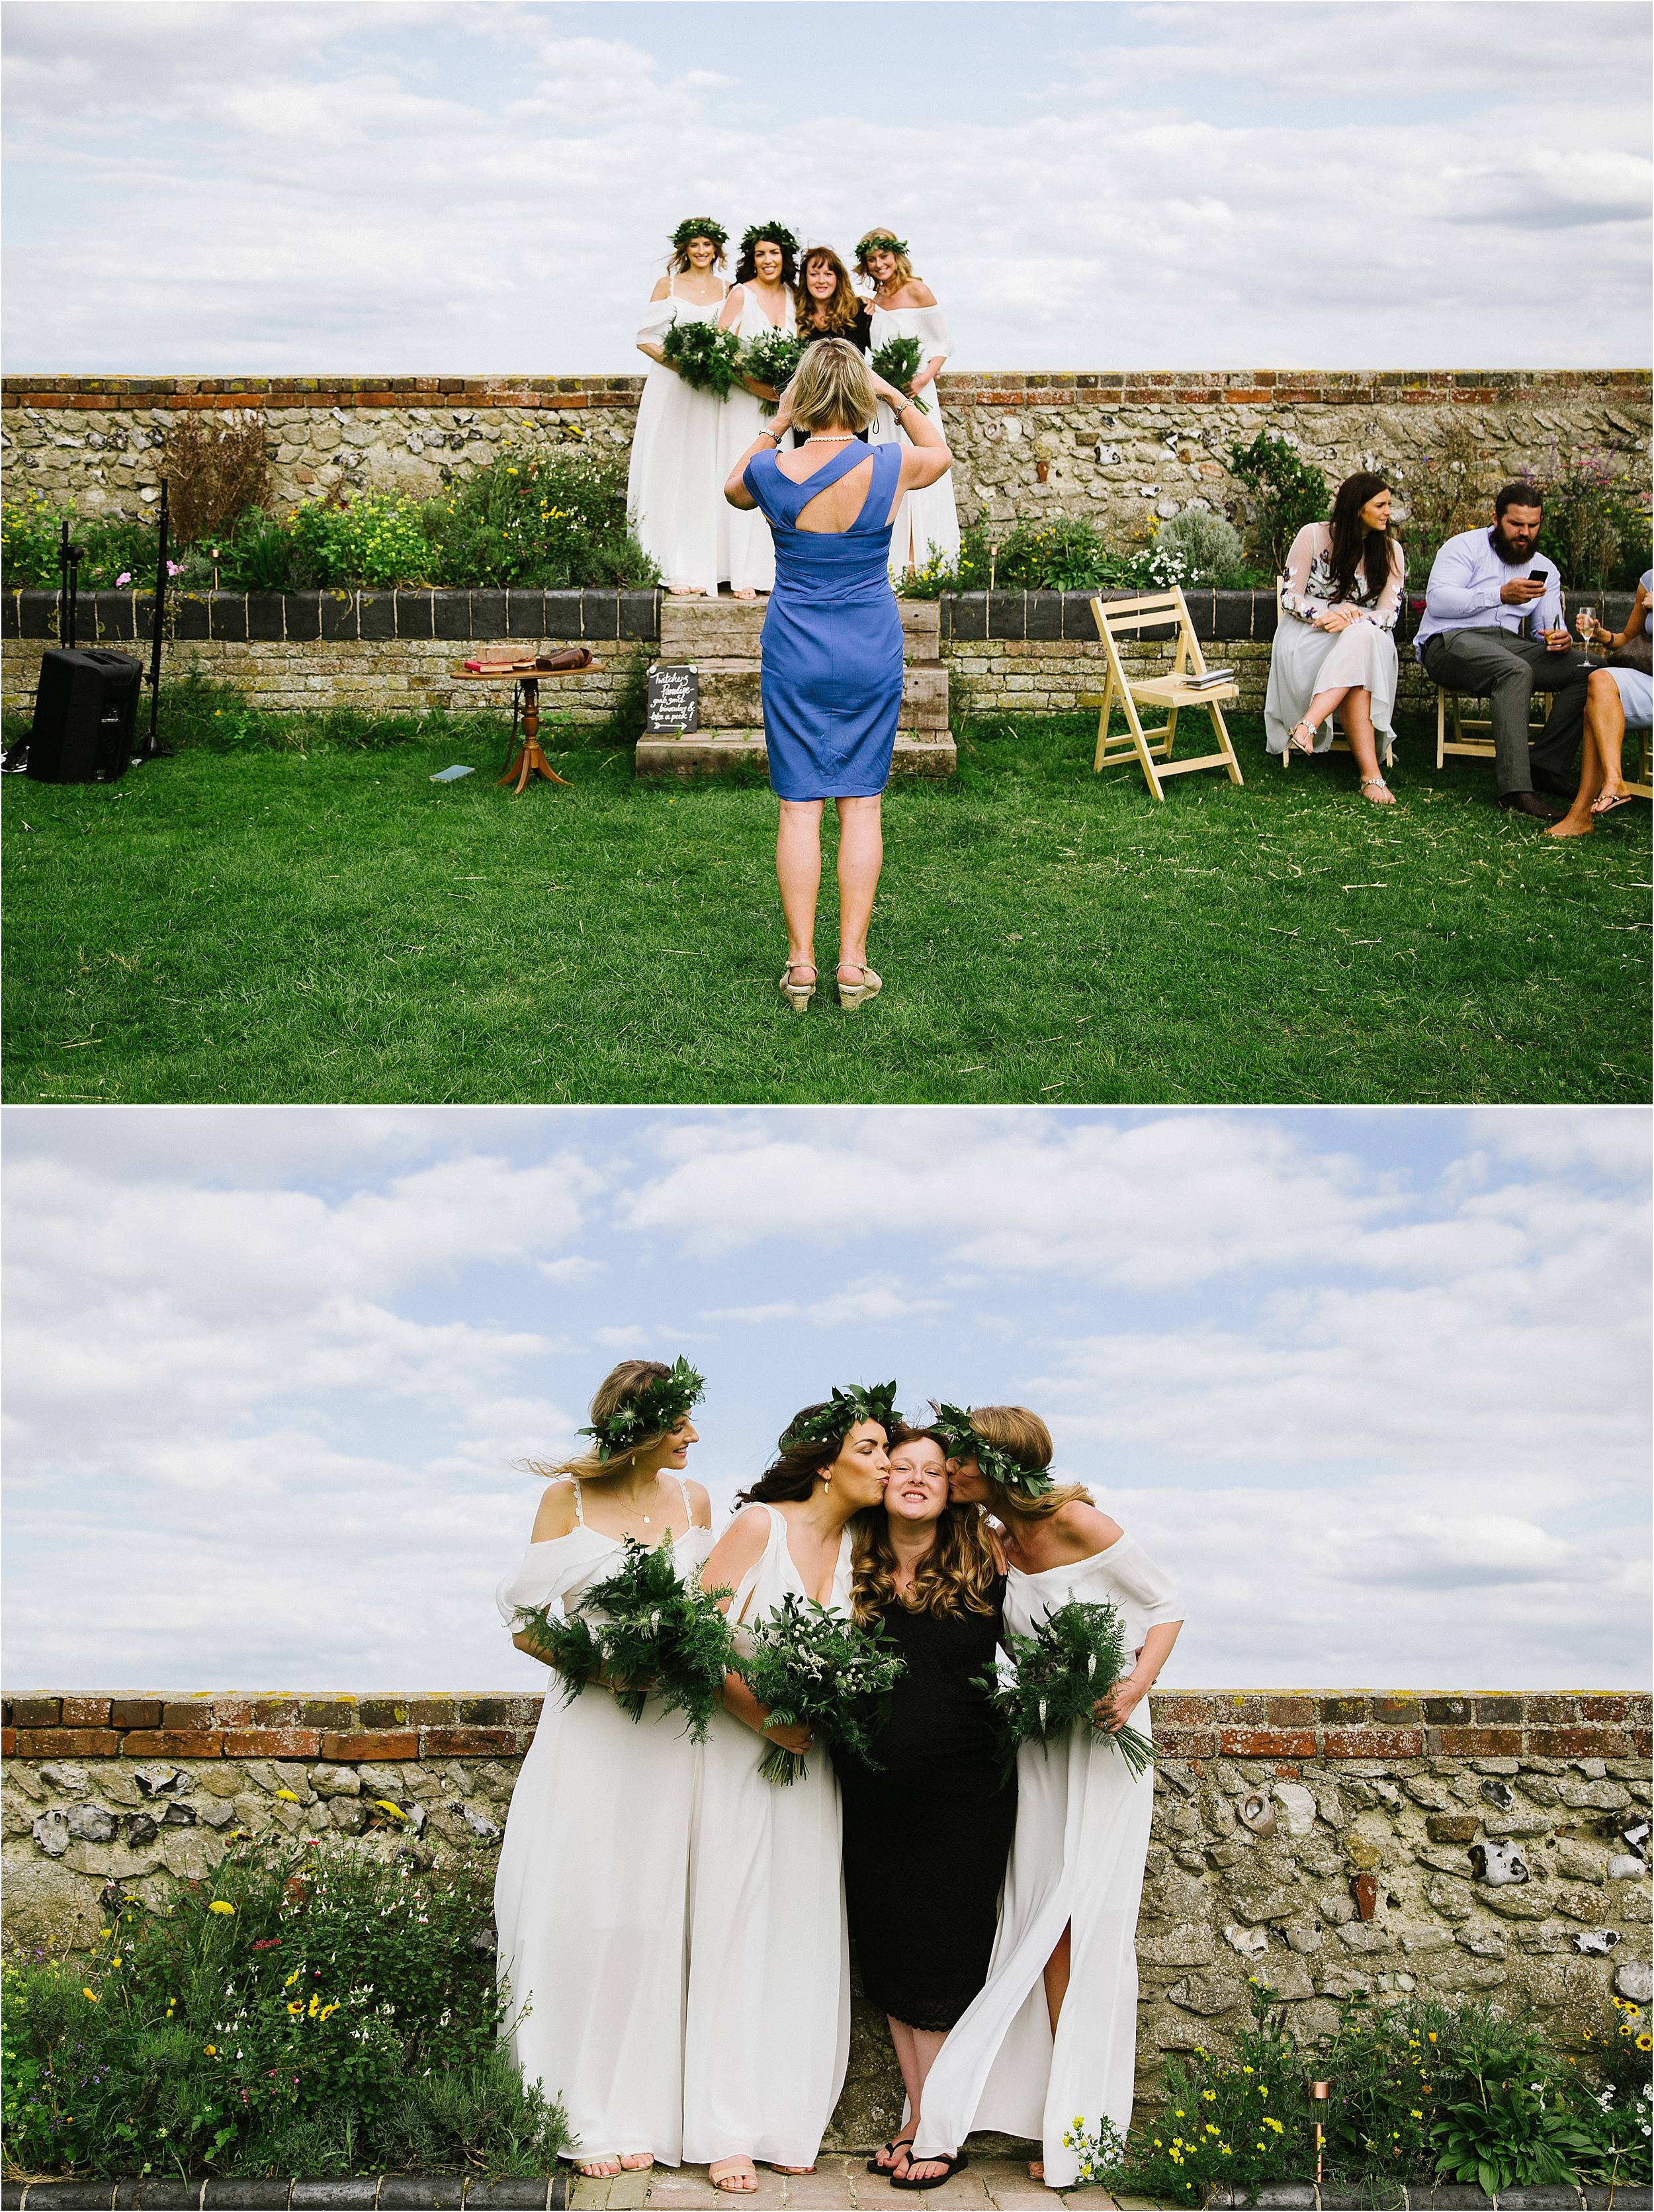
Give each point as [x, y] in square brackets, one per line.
[773, 360]
[645, 1633]
[898, 361]
[814, 1669]
[1074, 1657]
[708, 359]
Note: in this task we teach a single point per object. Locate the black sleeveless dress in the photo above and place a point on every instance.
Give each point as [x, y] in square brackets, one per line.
[927, 1834]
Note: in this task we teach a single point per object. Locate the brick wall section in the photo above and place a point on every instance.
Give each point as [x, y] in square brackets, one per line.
[1116, 445]
[396, 651]
[1272, 1724]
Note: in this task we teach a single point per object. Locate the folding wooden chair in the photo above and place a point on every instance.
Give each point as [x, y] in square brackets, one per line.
[1152, 749]
[1340, 744]
[1450, 709]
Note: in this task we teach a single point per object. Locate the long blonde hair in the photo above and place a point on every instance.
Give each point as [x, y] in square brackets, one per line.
[956, 1576]
[621, 1382]
[832, 386]
[1023, 1438]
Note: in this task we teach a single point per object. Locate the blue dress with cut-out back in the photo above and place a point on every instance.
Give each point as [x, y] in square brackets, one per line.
[832, 679]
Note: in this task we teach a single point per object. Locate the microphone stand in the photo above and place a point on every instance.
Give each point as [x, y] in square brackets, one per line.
[152, 749]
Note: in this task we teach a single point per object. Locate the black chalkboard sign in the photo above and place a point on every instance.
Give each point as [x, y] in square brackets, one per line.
[674, 698]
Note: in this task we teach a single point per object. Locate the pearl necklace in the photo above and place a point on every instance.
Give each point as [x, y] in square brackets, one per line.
[847, 439]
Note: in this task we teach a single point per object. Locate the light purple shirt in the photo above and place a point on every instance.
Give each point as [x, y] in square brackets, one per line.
[1466, 579]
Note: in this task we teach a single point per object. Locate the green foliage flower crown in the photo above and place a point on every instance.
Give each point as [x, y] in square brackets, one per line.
[777, 232]
[877, 239]
[862, 1401]
[659, 1404]
[699, 226]
[966, 1443]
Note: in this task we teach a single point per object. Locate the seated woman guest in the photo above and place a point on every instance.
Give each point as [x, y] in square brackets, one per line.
[760, 306]
[927, 1830]
[590, 1895]
[676, 463]
[767, 2025]
[831, 682]
[1335, 646]
[1618, 697]
[1053, 2032]
[904, 306]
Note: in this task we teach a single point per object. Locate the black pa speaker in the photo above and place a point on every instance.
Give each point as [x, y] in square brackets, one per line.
[85, 716]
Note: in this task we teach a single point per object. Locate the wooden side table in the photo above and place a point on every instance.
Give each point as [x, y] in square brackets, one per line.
[527, 675]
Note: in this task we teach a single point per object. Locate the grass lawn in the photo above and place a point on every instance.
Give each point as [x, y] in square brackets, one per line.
[270, 923]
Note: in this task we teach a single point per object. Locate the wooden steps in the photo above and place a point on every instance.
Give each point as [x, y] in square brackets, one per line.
[720, 638]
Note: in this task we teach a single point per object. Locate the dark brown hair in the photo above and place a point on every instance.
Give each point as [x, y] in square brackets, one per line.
[791, 1475]
[1374, 551]
[746, 269]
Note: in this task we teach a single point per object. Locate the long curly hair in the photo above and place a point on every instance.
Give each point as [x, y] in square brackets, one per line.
[839, 313]
[956, 1576]
[620, 1383]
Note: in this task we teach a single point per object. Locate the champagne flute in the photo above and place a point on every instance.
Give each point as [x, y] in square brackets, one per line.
[1585, 623]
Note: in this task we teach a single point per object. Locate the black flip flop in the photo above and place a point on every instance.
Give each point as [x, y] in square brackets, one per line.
[954, 2164]
[904, 2143]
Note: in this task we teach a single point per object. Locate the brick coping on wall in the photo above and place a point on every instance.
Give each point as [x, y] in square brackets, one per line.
[1286, 1724]
[1237, 388]
[597, 616]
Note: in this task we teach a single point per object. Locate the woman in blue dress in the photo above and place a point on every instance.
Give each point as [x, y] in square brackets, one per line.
[831, 681]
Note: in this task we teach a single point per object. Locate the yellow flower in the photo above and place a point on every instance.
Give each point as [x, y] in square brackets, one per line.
[91, 1995]
[1417, 2116]
[211, 2049]
[291, 1978]
[106, 1931]
[384, 1805]
[219, 1906]
[295, 2008]
[1645, 2042]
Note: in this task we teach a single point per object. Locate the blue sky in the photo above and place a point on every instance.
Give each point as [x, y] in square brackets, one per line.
[1372, 1384]
[234, 186]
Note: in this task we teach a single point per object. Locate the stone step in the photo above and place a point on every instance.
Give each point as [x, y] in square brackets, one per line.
[708, 752]
[730, 697]
[712, 629]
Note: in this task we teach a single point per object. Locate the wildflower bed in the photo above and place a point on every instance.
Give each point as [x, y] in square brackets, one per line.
[1422, 2094]
[308, 2011]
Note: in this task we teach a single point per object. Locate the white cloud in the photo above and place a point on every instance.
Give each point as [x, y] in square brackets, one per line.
[874, 1298]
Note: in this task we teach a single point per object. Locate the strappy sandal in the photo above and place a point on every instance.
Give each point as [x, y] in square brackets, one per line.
[746, 2175]
[896, 2144]
[797, 995]
[1378, 783]
[1606, 801]
[852, 995]
[1303, 737]
[955, 2164]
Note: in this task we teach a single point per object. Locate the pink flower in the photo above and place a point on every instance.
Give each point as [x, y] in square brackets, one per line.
[125, 577]
[174, 567]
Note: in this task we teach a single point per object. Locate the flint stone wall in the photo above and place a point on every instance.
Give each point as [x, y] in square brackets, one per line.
[1114, 446]
[1327, 1843]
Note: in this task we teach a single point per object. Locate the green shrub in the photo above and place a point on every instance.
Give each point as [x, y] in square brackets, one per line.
[1207, 548]
[1596, 525]
[374, 539]
[1286, 492]
[304, 2011]
[555, 519]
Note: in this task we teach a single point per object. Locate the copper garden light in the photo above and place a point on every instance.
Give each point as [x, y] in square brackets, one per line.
[1319, 2091]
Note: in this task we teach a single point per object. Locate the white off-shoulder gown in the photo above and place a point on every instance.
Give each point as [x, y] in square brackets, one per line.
[926, 525]
[675, 484]
[751, 566]
[1082, 1835]
[591, 1895]
[768, 2033]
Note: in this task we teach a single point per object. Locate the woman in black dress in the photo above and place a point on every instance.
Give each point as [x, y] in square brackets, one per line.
[829, 307]
[928, 1832]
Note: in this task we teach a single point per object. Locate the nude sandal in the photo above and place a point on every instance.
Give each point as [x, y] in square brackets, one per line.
[852, 995]
[1303, 737]
[798, 996]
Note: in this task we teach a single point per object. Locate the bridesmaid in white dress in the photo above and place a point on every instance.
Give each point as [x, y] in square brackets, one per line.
[904, 307]
[766, 278]
[590, 1897]
[675, 485]
[1053, 2033]
[767, 2035]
